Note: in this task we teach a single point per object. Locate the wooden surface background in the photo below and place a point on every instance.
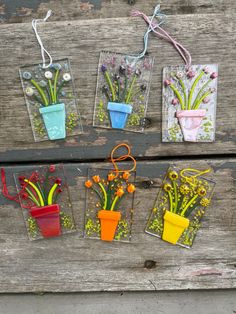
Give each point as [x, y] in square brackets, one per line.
[80, 30]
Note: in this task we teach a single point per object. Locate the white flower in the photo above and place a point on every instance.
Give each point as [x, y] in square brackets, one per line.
[29, 91]
[66, 77]
[48, 75]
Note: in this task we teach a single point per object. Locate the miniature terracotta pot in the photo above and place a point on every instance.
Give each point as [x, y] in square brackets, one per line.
[119, 114]
[108, 221]
[174, 226]
[190, 122]
[48, 220]
[54, 117]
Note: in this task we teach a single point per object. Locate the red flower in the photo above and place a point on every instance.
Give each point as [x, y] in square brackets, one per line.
[24, 196]
[175, 101]
[59, 190]
[167, 83]
[191, 74]
[52, 168]
[58, 181]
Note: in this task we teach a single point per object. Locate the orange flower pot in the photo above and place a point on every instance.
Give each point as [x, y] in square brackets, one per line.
[174, 226]
[109, 221]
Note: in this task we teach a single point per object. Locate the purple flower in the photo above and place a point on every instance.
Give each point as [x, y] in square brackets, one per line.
[103, 68]
[191, 74]
[213, 75]
[175, 101]
[167, 83]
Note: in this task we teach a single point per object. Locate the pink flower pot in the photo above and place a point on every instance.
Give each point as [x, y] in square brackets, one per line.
[190, 122]
[48, 220]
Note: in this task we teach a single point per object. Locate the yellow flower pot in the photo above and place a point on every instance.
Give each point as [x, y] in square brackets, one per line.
[174, 226]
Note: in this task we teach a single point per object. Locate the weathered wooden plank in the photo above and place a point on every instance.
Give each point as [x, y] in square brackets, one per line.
[70, 263]
[82, 41]
[23, 11]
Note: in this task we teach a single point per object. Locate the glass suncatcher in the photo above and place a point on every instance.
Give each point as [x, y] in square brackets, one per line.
[45, 201]
[122, 90]
[50, 96]
[180, 206]
[109, 201]
[189, 94]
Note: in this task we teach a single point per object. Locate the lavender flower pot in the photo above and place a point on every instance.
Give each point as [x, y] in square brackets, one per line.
[54, 117]
[119, 114]
[190, 122]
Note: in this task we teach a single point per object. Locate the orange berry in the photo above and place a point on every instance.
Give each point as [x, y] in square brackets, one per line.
[131, 188]
[88, 184]
[96, 179]
[120, 192]
[126, 175]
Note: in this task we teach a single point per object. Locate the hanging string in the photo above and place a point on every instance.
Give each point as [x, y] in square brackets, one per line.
[184, 53]
[156, 14]
[126, 156]
[43, 50]
[5, 192]
[191, 179]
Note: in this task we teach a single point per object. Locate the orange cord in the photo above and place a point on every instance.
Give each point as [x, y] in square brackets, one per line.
[122, 158]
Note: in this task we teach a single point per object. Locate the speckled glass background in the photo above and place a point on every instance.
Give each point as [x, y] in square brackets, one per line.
[155, 222]
[92, 223]
[67, 96]
[113, 61]
[63, 200]
[171, 131]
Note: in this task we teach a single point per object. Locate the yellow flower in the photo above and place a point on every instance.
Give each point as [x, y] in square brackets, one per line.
[201, 191]
[184, 189]
[96, 179]
[120, 192]
[88, 184]
[167, 187]
[173, 175]
[111, 177]
[131, 188]
[126, 175]
[205, 202]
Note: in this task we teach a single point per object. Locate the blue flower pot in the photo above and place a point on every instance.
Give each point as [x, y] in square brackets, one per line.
[119, 114]
[54, 117]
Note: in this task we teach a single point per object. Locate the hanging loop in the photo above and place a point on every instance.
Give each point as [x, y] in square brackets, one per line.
[43, 50]
[126, 156]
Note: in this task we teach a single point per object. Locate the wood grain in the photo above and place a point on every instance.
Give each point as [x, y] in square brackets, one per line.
[82, 41]
[70, 263]
[24, 11]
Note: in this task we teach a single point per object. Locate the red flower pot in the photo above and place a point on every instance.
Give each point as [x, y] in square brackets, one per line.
[48, 220]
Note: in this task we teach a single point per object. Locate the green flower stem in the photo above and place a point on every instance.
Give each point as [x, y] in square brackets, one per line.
[115, 201]
[128, 98]
[36, 190]
[37, 99]
[124, 90]
[32, 197]
[170, 201]
[118, 90]
[192, 209]
[105, 195]
[98, 194]
[41, 92]
[49, 95]
[109, 82]
[184, 92]
[55, 85]
[41, 191]
[175, 90]
[109, 194]
[201, 99]
[193, 88]
[60, 87]
[51, 91]
[51, 193]
[176, 197]
[188, 204]
[200, 92]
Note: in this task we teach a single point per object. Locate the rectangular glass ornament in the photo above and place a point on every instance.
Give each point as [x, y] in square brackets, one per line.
[51, 100]
[45, 201]
[109, 213]
[189, 103]
[179, 207]
[122, 91]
